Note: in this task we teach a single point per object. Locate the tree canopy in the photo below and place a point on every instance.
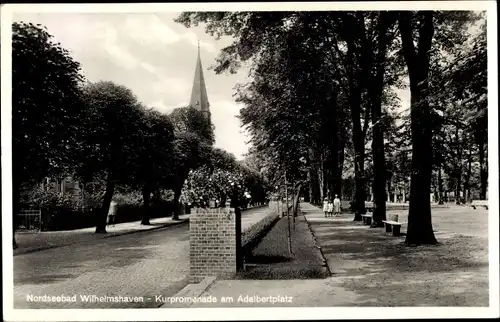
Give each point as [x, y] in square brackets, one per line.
[323, 87]
[46, 104]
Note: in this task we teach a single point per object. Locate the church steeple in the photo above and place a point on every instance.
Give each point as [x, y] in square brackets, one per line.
[199, 98]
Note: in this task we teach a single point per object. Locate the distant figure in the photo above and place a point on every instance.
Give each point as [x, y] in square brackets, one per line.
[325, 207]
[330, 208]
[111, 213]
[336, 205]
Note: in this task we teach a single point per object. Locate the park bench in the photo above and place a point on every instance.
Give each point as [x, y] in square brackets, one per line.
[367, 218]
[392, 225]
[477, 203]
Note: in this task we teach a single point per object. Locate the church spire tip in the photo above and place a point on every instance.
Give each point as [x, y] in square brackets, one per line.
[199, 98]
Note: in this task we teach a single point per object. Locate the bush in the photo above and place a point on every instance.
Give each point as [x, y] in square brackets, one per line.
[67, 219]
[128, 198]
[66, 211]
[133, 212]
[38, 197]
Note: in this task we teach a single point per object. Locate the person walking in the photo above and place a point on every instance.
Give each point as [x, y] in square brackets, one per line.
[336, 205]
[112, 213]
[325, 207]
[330, 208]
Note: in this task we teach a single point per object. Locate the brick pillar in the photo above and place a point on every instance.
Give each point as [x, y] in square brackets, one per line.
[212, 243]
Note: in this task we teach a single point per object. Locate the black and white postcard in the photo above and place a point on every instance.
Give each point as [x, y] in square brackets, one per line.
[248, 161]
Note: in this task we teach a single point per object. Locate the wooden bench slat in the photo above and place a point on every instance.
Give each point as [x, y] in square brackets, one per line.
[394, 223]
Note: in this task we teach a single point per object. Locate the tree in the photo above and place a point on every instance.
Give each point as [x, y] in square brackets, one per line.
[194, 137]
[311, 71]
[205, 184]
[112, 122]
[255, 183]
[190, 120]
[152, 167]
[284, 86]
[418, 29]
[417, 59]
[375, 94]
[469, 81]
[46, 107]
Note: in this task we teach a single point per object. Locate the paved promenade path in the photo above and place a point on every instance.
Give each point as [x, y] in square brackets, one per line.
[30, 242]
[379, 270]
[146, 263]
[371, 268]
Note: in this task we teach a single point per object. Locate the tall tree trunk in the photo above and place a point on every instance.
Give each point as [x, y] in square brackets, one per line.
[313, 184]
[108, 196]
[467, 177]
[321, 177]
[16, 207]
[335, 146]
[420, 229]
[458, 187]
[236, 203]
[177, 195]
[296, 200]
[341, 161]
[483, 172]
[375, 89]
[328, 175]
[314, 178]
[466, 181]
[358, 134]
[440, 187]
[458, 169]
[157, 194]
[360, 194]
[146, 213]
[307, 192]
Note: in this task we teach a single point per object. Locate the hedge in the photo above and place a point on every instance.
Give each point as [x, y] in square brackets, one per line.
[67, 219]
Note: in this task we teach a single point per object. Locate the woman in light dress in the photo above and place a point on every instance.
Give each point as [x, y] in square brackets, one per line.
[336, 205]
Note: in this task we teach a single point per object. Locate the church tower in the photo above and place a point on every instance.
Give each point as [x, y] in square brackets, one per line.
[199, 98]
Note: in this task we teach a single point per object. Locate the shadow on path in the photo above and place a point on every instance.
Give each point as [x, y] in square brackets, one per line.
[383, 271]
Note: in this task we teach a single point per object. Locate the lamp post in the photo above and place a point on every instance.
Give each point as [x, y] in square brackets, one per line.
[235, 203]
[288, 218]
[278, 199]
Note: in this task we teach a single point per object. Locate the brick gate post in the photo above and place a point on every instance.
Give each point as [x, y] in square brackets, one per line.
[212, 243]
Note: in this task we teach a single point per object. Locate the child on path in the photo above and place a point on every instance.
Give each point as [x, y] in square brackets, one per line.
[330, 208]
[325, 207]
[336, 205]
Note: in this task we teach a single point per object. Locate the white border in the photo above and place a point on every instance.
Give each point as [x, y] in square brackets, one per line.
[493, 223]
[249, 6]
[248, 313]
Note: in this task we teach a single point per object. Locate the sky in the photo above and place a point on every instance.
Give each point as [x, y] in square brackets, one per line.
[153, 56]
